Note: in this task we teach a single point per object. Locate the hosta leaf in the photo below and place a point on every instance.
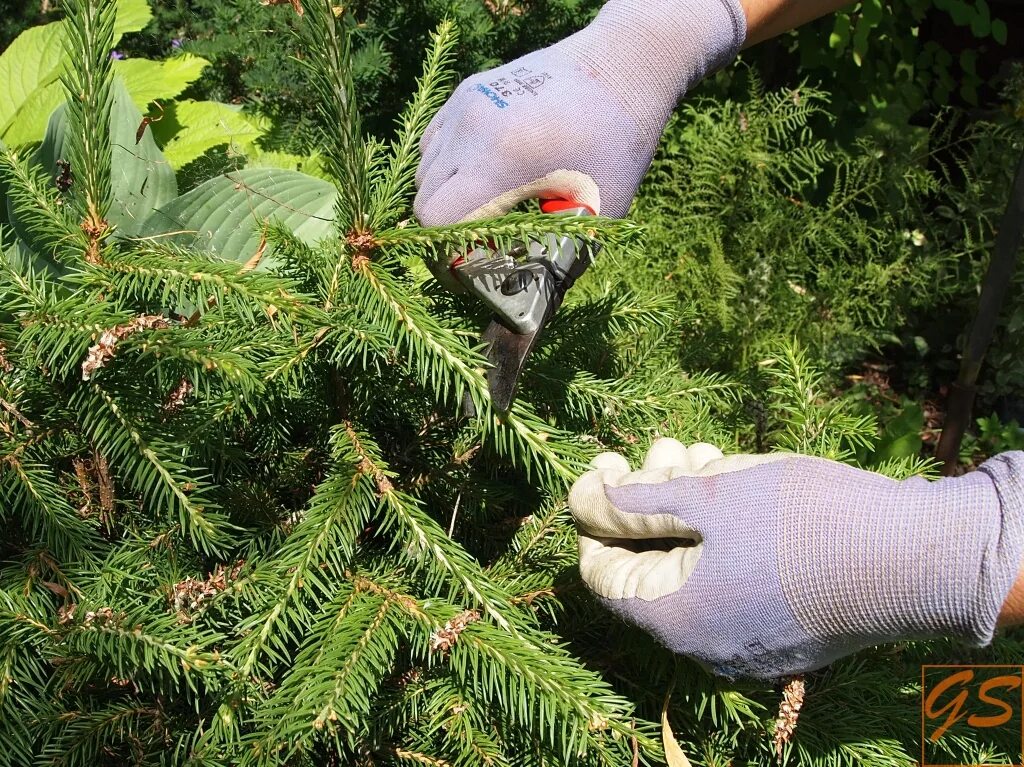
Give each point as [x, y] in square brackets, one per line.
[225, 215]
[207, 124]
[150, 81]
[29, 124]
[311, 165]
[141, 179]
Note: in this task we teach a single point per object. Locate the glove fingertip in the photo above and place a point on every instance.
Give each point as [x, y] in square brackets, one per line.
[701, 454]
[611, 462]
[667, 452]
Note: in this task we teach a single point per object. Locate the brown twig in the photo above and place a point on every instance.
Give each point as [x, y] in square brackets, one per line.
[997, 282]
[366, 466]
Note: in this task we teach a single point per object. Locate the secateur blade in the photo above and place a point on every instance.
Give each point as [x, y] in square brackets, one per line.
[524, 286]
[507, 351]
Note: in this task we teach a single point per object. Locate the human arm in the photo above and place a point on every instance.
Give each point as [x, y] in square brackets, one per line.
[1012, 613]
[770, 18]
[793, 561]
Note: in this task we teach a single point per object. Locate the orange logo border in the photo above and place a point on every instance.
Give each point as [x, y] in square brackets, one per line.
[1017, 668]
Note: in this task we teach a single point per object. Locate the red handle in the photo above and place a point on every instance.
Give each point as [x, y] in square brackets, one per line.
[557, 206]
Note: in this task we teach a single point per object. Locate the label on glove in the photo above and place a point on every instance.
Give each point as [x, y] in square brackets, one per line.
[523, 82]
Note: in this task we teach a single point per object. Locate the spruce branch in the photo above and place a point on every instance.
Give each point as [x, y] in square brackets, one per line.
[129, 642]
[86, 734]
[526, 547]
[235, 363]
[395, 186]
[531, 680]
[471, 734]
[327, 42]
[432, 350]
[808, 425]
[334, 680]
[57, 327]
[610, 234]
[40, 212]
[168, 276]
[30, 491]
[424, 542]
[164, 481]
[327, 532]
[89, 39]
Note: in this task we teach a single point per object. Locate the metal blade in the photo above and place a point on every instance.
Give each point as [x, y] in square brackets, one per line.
[507, 352]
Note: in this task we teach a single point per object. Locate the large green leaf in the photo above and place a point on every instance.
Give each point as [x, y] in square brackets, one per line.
[901, 437]
[32, 61]
[147, 81]
[141, 180]
[30, 72]
[132, 16]
[29, 124]
[207, 124]
[150, 81]
[225, 215]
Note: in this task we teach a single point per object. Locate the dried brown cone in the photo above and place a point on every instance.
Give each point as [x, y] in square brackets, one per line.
[789, 713]
[105, 348]
[444, 639]
[176, 399]
[5, 364]
[188, 596]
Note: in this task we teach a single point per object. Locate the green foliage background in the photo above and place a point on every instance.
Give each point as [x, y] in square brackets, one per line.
[245, 522]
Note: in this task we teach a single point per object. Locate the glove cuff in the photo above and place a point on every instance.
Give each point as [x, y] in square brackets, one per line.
[1005, 553]
[651, 52]
[885, 561]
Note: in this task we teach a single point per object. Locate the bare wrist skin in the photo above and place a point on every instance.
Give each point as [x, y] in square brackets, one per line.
[1012, 613]
[769, 18]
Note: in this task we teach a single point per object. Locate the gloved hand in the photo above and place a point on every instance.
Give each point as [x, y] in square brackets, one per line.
[579, 120]
[797, 561]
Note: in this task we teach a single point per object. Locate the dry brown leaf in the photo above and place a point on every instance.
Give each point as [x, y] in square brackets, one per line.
[674, 756]
[295, 4]
[253, 262]
[56, 588]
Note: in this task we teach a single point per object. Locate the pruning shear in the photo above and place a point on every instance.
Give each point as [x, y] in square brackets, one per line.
[524, 286]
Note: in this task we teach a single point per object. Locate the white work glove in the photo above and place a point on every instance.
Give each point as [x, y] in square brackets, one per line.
[796, 561]
[579, 120]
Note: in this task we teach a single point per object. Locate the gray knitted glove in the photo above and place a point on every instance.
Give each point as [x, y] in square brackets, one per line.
[797, 561]
[579, 120]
